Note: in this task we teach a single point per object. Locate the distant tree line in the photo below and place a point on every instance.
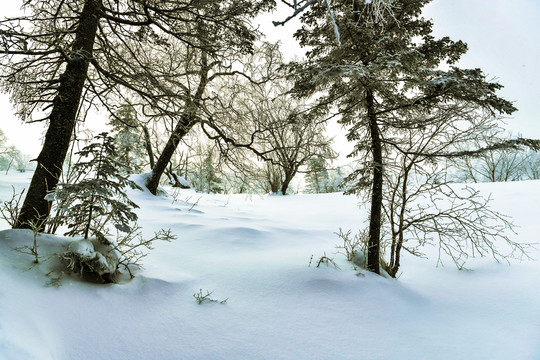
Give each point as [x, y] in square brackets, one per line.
[11, 157]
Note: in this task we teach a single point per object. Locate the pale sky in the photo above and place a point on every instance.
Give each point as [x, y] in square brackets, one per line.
[502, 37]
[503, 41]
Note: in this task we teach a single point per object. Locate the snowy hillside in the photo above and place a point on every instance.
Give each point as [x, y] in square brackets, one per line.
[253, 252]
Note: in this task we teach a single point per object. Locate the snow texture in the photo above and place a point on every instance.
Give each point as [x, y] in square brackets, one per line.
[255, 250]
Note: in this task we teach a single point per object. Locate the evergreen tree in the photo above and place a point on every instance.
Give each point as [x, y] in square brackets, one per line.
[7, 153]
[99, 198]
[212, 183]
[317, 176]
[386, 77]
[335, 181]
[128, 140]
[203, 175]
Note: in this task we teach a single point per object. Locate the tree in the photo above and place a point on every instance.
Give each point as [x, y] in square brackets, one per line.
[205, 67]
[128, 138]
[98, 198]
[43, 63]
[211, 182]
[455, 219]
[377, 11]
[10, 154]
[203, 174]
[384, 74]
[61, 57]
[503, 164]
[261, 117]
[317, 176]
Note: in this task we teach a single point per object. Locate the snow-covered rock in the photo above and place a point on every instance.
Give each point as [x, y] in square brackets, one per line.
[83, 248]
[95, 259]
[183, 182]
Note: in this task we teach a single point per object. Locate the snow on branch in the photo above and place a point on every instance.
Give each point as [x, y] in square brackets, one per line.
[297, 10]
[377, 8]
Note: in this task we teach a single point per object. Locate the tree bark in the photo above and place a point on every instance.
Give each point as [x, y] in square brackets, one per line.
[62, 120]
[148, 145]
[186, 122]
[289, 175]
[373, 255]
[285, 185]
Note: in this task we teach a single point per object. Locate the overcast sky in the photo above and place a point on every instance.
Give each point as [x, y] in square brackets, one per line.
[502, 37]
[503, 41]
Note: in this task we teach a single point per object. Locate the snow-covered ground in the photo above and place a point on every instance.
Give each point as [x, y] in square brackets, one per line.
[254, 251]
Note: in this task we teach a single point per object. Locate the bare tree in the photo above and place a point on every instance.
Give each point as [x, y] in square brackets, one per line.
[61, 57]
[498, 165]
[262, 117]
[422, 208]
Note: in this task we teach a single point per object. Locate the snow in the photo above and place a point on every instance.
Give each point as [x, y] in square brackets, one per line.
[254, 251]
[84, 248]
[183, 181]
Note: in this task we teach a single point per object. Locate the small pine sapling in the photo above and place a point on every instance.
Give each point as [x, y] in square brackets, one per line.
[98, 199]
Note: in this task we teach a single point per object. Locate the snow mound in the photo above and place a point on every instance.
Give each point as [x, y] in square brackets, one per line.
[95, 259]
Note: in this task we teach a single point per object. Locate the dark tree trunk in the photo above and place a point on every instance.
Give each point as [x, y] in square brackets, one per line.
[274, 186]
[36, 209]
[373, 256]
[289, 175]
[182, 128]
[148, 145]
[285, 186]
[273, 177]
[186, 122]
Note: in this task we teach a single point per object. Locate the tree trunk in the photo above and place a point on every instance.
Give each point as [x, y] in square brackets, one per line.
[186, 122]
[289, 175]
[36, 209]
[182, 128]
[374, 242]
[148, 145]
[285, 186]
[373, 256]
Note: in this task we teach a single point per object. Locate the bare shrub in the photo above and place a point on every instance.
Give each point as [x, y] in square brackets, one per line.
[9, 210]
[132, 245]
[99, 259]
[353, 245]
[206, 298]
[325, 260]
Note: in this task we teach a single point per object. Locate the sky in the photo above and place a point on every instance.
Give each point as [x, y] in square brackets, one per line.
[501, 34]
[503, 41]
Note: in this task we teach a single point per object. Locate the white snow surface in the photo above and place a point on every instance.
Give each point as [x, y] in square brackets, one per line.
[84, 248]
[254, 251]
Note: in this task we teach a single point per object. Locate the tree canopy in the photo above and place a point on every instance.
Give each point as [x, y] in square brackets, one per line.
[389, 75]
